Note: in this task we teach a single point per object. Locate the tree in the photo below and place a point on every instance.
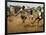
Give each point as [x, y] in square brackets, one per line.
[38, 8]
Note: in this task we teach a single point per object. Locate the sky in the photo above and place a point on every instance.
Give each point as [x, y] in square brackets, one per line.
[27, 5]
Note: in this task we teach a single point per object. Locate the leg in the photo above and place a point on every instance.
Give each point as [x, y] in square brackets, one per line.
[39, 20]
[35, 20]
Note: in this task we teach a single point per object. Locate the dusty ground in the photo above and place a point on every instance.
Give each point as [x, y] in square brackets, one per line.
[15, 24]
